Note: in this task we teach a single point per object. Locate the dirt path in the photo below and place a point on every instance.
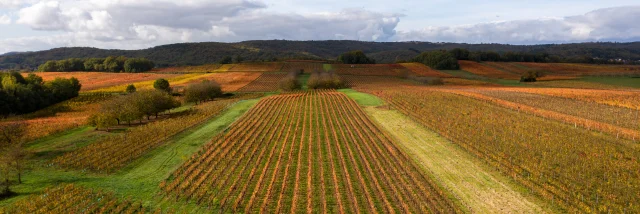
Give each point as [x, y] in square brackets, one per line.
[475, 186]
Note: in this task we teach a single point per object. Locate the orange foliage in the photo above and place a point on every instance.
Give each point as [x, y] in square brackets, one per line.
[96, 80]
[231, 81]
[66, 115]
[582, 69]
[257, 67]
[370, 69]
[483, 70]
[423, 70]
[266, 82]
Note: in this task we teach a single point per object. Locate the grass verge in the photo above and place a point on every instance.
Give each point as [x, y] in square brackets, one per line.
[475, 186]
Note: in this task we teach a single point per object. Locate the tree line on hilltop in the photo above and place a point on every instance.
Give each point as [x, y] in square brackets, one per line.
[382, 52]
[108, 64]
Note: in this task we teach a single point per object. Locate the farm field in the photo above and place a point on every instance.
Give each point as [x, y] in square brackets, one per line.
[257, 67]
[298, 166]
[95, 80]
[265, 82]
[229, 81]
[477, 141]
[369, 69]
[562, 163]
[69, 114]
[423, 70]
[478, 188]
[115, 152]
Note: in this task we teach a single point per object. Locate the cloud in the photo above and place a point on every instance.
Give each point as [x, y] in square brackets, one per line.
[5, 20]
[129, 24]
[14, 3]
[45, 15]
[135, 24]
[609, 24]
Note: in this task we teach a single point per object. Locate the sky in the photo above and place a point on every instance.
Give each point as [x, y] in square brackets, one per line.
[31, 25]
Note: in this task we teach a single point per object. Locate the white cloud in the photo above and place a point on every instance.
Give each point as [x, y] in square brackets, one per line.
[5, 20]
[134, 24]
[609, 24]
[14, 3]
[45, 15]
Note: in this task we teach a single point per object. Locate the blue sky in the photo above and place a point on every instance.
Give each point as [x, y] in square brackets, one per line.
[27, 25]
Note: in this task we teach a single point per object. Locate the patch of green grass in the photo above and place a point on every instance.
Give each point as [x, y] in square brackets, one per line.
[140, 179]
[363, 98]
[633, 82]
[303, 80]
[326, 67]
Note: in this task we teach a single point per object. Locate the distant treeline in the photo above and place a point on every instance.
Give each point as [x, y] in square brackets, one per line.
[509, 56]
[109, 64]
[19, 95]
[382, 52]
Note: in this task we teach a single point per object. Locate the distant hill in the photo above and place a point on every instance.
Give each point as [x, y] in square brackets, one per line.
[268, 50]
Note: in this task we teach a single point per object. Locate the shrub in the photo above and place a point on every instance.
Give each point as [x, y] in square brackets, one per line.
[162, 84]
[325, 80]
[531, 76]
[203, 91]
[290, 82]
[131, 88]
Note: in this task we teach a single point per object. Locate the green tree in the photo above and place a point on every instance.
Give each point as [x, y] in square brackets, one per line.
[441, 60]
[355, 57]
[48, 66]
[135, 65]
[225, 60]
[460, 53]
[131, 89]
[162, 84]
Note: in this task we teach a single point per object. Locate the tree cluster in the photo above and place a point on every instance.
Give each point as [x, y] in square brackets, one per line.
[19, 95]
[131, 107]
[355, 57]
[202, 91]
[325, 80]
[531, 76]
[441, 60]
[109, 64]
[291, 82]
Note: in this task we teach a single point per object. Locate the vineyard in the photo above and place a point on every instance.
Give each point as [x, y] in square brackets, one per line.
[574, 69]
[96, 80]
[230, 81]
[308, 67]
[574, 168]
[209, 68]
[305, 152]
[69, 114]
[395, 138]
[257, 67]
[370, 69]
[483, 70]
[423, 70]
[266, 82]
[74, 199]
[114, 152]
